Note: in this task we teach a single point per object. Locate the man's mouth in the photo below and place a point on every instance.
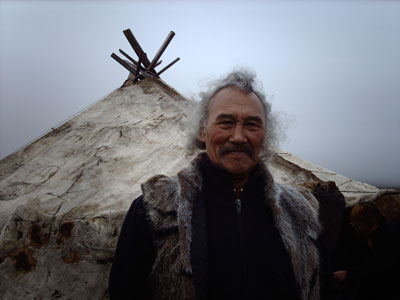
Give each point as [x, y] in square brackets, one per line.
[237, 150]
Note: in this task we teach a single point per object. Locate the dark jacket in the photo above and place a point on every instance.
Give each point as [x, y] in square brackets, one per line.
[186, 238]
[379, 270]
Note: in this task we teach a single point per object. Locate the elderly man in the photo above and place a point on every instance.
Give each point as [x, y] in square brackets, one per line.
[222, 228]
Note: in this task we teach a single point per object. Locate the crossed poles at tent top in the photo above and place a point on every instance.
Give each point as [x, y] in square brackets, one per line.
[143, 67]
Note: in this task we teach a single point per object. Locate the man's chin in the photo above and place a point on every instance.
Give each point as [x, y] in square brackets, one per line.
[237, 155]
[239, 167]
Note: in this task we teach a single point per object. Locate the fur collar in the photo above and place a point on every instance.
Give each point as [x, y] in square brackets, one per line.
[170, 203]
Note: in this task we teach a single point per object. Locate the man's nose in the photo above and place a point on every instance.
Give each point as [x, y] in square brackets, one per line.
[238, 135]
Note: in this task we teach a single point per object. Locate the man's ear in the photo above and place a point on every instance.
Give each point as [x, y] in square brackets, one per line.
[202, 135]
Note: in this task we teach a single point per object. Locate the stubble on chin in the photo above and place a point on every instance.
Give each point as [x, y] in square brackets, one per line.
[238, 168]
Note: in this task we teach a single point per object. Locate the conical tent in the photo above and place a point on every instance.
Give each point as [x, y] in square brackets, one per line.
[64, 196]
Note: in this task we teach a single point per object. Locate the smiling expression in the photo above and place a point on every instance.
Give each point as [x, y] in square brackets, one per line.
[235, 131]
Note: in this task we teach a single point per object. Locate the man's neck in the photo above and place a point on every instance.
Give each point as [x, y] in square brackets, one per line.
[239, 182]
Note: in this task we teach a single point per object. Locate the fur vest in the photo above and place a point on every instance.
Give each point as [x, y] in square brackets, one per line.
[170, 202]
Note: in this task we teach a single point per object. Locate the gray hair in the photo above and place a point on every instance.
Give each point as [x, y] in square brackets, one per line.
[245, 81]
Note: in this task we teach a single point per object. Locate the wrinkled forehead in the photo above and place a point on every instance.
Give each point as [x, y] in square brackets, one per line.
[232, 99]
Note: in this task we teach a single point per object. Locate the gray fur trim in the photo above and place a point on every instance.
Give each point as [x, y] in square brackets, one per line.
[170, 202]
[297, 222]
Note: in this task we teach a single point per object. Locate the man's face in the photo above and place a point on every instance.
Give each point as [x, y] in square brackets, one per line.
[235, 130]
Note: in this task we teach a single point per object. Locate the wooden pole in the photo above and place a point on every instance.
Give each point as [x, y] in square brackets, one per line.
[128, 57]
[148, 68]
[168, 66]
[136, 79]
[124, 63]
[136, 46]
[160, 51]
[134, 61]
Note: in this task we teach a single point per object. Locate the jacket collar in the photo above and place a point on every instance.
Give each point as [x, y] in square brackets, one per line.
[295, 213]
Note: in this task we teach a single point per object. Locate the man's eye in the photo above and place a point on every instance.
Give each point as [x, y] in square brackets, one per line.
[226, 122]
[252, 125]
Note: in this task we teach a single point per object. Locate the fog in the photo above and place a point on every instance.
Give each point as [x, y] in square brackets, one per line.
[331, 68]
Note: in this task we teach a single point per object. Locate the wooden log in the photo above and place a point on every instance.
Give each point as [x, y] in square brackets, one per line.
[136, 46]
[128, 57]
[158, 63]
[168, 66]
[124, 63]
[136, 79]
[160, 51]
[133, 60]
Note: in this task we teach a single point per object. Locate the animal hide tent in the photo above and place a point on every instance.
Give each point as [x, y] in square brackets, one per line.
[64, 196]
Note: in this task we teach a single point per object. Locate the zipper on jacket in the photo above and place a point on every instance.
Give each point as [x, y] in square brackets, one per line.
[238, 203]
[238, 206]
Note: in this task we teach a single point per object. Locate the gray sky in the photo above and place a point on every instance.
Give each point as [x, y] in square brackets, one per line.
[332, 67]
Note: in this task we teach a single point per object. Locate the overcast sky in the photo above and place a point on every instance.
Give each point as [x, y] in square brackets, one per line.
[332, 67]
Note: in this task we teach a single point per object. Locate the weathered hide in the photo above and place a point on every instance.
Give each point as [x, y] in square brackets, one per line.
[63, 197]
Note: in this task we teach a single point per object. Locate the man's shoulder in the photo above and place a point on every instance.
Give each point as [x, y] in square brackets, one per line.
[160, 193]
[160, 187]
[297, 195]
[157, 182]
[300, 204]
